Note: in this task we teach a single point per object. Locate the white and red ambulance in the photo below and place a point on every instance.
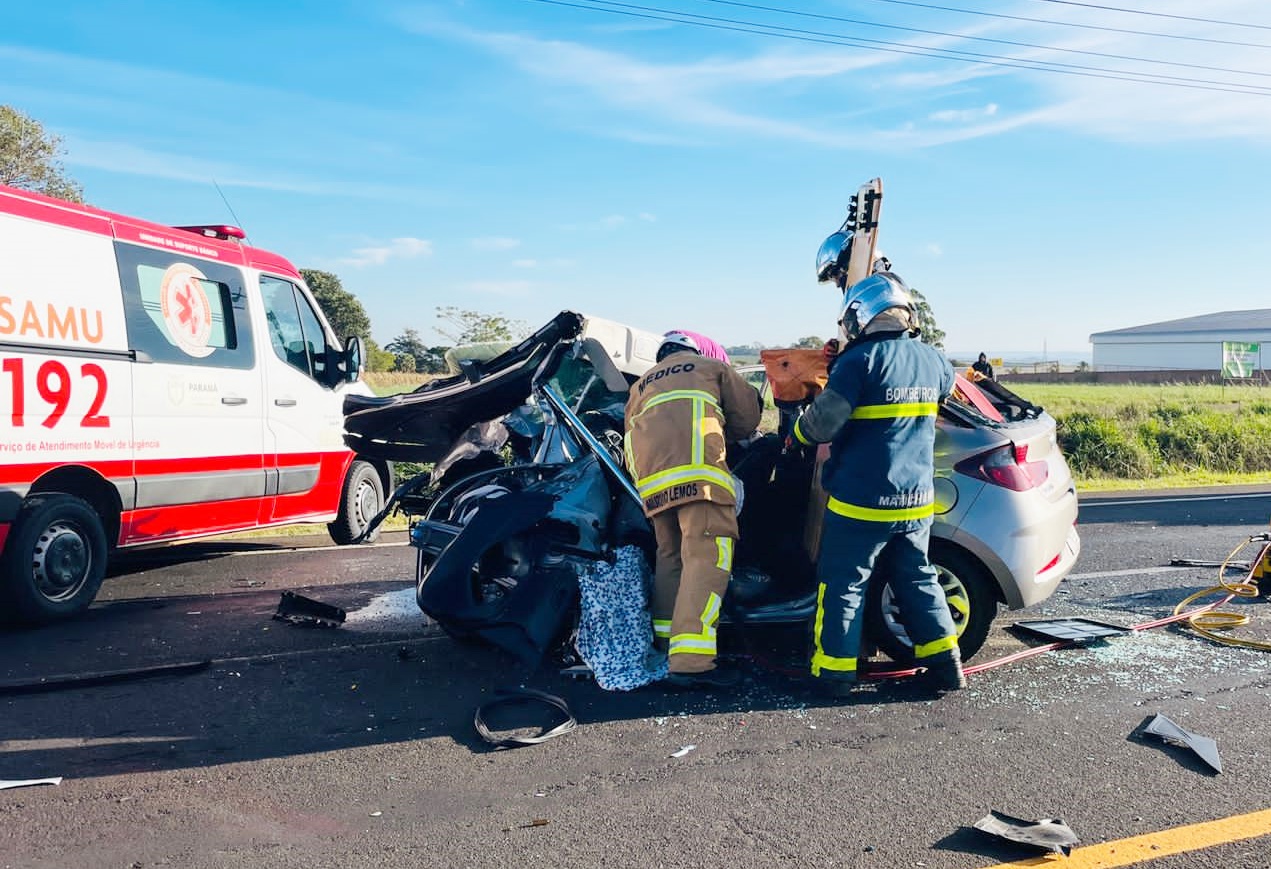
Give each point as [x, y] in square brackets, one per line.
[158, 383]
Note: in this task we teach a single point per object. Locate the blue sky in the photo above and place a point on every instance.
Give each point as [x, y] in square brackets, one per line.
[521, 157]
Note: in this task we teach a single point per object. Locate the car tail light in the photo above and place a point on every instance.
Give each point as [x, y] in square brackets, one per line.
[1007, 466]
[1050, 564]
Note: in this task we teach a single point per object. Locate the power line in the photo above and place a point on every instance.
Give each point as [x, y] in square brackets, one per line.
[1160, 14]
[800, 35]
[1074, 24]
[1013, 43]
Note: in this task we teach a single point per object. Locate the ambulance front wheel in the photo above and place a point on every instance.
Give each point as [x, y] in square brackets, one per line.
[54, 559]
[360, 501]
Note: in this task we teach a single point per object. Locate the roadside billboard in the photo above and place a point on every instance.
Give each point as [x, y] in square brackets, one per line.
[1240, 359]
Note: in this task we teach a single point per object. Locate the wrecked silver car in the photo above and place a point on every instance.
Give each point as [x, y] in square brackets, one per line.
[528, 487]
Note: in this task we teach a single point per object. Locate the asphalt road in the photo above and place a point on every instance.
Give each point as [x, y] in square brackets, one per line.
[305, 747]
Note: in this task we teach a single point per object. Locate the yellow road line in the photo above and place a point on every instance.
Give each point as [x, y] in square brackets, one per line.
[1153, 846]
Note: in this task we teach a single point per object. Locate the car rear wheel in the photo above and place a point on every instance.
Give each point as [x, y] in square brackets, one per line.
[54, 559]
[972, 601]
[360, 501]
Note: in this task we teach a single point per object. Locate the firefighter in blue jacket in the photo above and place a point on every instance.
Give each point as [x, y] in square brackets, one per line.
[878, 413]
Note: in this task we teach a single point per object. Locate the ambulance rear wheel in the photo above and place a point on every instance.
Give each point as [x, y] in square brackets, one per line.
[360, 501]
[54, 559]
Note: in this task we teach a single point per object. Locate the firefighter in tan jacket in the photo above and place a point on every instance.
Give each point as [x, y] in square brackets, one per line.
[679, 416]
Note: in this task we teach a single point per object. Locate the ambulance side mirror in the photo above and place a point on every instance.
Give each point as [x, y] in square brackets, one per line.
[352, 361]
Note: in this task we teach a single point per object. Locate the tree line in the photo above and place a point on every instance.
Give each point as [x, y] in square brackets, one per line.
[408, 351]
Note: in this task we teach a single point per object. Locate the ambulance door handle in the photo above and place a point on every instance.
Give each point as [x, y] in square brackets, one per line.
[233, 400]
[285, 402]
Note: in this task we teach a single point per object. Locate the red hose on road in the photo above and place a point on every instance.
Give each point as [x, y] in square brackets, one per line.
[1247, 588]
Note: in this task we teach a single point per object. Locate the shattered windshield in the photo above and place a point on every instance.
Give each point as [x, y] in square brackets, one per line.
[577, 382]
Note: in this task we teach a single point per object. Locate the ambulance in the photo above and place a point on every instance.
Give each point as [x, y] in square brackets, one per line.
[158, 384]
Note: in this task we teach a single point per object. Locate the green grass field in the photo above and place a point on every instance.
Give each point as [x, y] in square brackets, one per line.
[1135, 400]
[1159, 436]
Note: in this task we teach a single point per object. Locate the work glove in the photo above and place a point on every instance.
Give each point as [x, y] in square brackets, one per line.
[830, 349]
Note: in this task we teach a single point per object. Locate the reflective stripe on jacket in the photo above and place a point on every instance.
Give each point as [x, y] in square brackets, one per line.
[679, 416]
[878, 412]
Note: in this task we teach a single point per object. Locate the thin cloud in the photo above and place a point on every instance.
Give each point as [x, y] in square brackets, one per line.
[964, 116]
[127, 159]
[691, 103]
[259, 162]
[554, 263]
[691, 94]
[494, 243]
[396, 249]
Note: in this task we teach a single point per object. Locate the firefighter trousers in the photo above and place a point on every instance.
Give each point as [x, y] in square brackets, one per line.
[694, 561]
[851, 549]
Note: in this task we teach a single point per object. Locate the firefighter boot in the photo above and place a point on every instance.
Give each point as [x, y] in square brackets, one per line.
[944, 671]
[722, 676]
[838, 686]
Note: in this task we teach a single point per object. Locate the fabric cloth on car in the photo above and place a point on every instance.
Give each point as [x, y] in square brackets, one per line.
[615, 638]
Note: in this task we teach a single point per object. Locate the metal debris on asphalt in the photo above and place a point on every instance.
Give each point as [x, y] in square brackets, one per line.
[5, 784]
[1078, 631]
[1049, 834]
[537, 822]
[1165, 729]
[519, 695]
[1196, 562]
[683, 751]
[297, 609]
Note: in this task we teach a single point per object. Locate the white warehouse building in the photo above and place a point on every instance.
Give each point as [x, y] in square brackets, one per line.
[1190, 344]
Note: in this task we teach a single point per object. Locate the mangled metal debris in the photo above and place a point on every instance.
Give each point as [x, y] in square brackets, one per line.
[1165, 729]
[1049, 834]
[514, 696]
[1075, 630]
[5, 784]
[297, 609]
[1199, 562]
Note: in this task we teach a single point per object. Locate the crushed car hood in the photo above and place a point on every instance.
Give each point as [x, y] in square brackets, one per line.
[420, 426]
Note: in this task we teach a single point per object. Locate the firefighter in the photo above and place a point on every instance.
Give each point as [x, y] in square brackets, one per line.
[679, 417]
[832, 258]
[878, 413]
